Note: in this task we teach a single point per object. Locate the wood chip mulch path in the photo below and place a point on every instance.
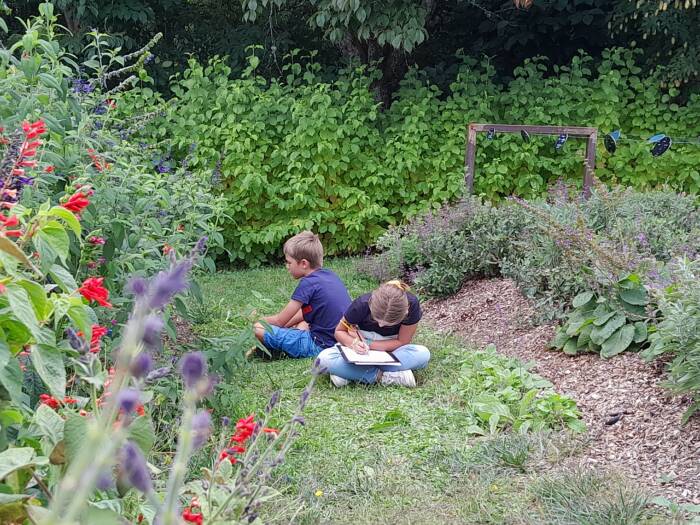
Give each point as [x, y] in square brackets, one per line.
[633, 423]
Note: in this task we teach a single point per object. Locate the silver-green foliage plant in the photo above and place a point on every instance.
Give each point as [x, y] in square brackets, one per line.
[678, 333]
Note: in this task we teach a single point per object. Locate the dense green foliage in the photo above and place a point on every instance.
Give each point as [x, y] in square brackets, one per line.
[321, 155]
[678, 333]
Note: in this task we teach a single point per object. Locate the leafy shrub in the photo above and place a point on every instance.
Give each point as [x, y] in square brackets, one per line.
[608, 326]
[501, 393]
[554, 249]
[299, 152]
[678, 333]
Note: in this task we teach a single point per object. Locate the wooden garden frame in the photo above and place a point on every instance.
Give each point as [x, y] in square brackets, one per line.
[588, 162]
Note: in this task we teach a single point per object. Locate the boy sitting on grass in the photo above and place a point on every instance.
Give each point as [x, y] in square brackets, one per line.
[307, 324]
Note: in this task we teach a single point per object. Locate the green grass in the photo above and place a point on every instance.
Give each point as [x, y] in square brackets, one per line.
[374, 454]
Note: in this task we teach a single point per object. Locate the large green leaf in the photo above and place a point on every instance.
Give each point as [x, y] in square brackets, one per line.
[600, 333]
[618, 342]
[83, 317]
[48, 362]
[49, 425]
[640, 332]
[74, 431]
[38, 296]
[63, 278]
[142, 433]
[23, 311]
[11, 248]
[17, 458]
[66, 215]
[637, 296]
[582, 299]
[571, 347]
[54, 234]
[11, 381]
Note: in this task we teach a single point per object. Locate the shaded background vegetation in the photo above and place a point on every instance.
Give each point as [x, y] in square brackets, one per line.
[396, 34]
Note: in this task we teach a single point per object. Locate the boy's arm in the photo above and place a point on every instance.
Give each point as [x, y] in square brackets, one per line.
[295, 320]
[284, 316]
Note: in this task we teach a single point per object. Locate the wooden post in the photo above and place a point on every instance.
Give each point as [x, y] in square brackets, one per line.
[589, 164]
[469, 158]
[572, 131]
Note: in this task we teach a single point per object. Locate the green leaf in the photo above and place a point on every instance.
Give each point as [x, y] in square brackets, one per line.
[637, 296]
[640, 332]
[83, 317]
[618, 342]
[37, 294]
[11, 498]
[142, 433]
[11, 380]
[23, 311]
[49, 81]
[560, 339]
[571, 346]
[582, 299]
[63, 278]
[600, 333]
[49, 425]
[576, 425]
[48, 362]
[101, 516]
[7, 246]
[66, 215]
[18, 458]
[603, 317]
[54, 234]
[74, 430]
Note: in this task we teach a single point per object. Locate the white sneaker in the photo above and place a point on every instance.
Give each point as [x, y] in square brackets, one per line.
[401, 378]
[339, 381]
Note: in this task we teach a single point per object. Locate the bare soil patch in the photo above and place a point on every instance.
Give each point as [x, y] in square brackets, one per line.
[633, 423]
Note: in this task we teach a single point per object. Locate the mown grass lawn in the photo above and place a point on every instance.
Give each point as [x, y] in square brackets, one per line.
[392, 455]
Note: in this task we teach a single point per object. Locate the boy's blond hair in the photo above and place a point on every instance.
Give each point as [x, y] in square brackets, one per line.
[389, 303]
[305, 245]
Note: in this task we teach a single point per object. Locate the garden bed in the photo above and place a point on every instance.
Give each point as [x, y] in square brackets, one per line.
[634, 426]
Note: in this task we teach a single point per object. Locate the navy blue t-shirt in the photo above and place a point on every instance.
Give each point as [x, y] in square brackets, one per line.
[360, 315]
[323, 299]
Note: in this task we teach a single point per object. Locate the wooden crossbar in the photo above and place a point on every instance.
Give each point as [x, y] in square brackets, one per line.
[573, 131]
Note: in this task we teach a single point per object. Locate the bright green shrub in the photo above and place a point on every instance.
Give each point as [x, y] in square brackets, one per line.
[307, 153]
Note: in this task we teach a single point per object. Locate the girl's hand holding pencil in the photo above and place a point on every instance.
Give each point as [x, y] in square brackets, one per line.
[359, 346]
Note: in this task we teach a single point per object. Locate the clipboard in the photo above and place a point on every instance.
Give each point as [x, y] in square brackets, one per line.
[372, 358]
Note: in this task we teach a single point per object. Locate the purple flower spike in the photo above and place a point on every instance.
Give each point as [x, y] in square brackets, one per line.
[134, 465]
[104, 481]
[193, 366]
[76, 342]
[167, 284]
[201, 245]
[137, 286]
[128, 399]
[225, 421]
[151, 331]
[201, 428]
[141, 365]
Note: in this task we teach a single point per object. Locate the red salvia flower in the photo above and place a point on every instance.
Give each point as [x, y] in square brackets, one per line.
[49, 401]
[78, 201]
[98, 332]
[93, 290]
[48, 169]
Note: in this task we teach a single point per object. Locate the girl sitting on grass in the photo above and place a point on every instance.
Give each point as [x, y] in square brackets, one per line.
[384, 320]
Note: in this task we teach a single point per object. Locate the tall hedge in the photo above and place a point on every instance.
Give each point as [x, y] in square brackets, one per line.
[301, 152]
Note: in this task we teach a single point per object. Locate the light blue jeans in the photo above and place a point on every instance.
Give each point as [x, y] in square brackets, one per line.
[412, 357]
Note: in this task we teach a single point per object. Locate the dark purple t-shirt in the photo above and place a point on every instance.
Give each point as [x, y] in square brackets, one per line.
[359, 314]
[323, 299]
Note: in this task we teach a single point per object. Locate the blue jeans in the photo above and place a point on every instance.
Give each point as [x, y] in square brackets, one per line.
[412, 357]
[291, 341]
